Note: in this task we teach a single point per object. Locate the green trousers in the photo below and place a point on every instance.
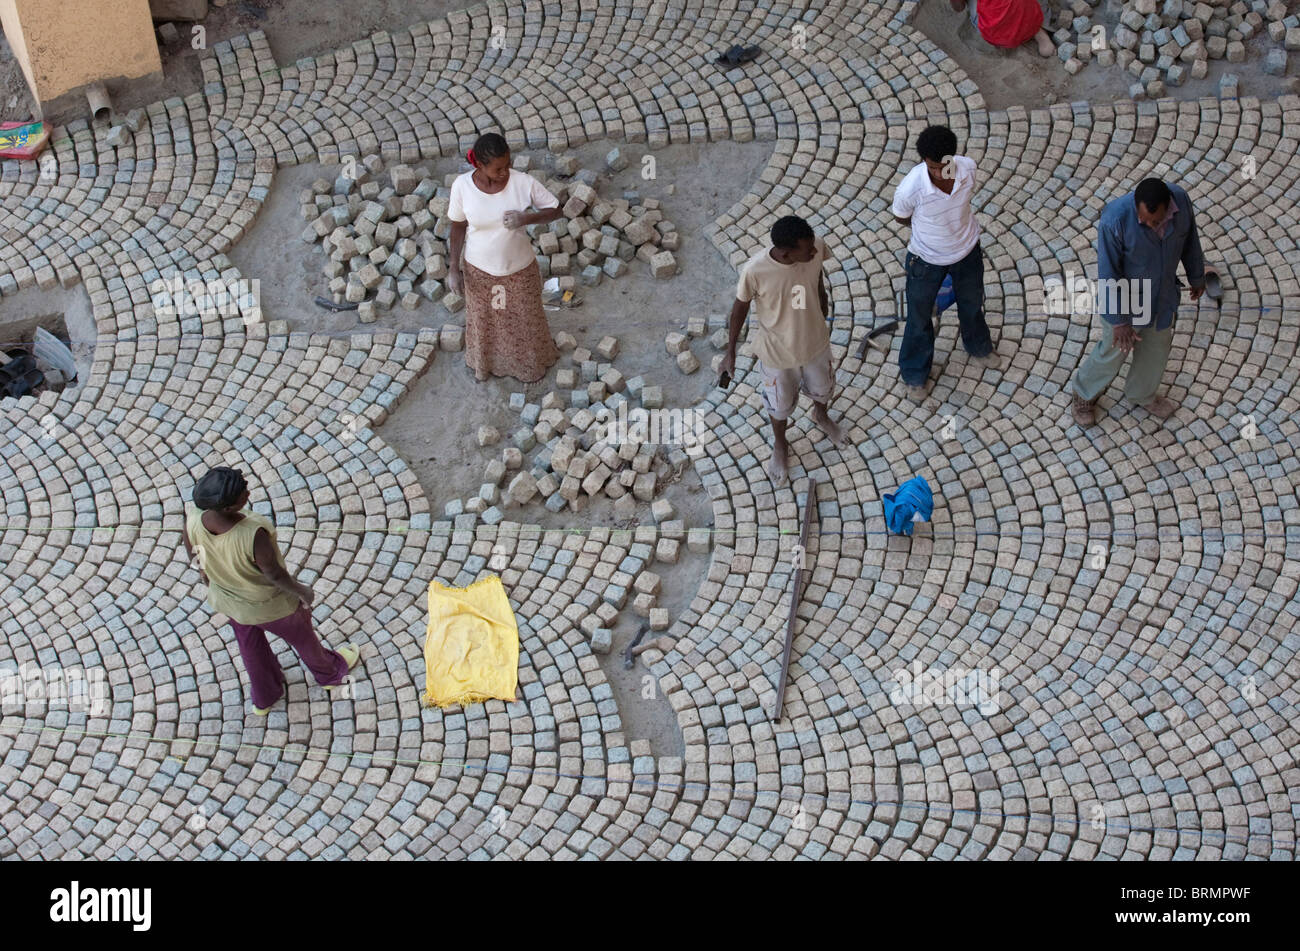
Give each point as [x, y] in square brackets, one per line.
[1150, 354]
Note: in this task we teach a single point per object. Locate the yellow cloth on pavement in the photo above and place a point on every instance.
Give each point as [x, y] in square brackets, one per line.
[471, 649]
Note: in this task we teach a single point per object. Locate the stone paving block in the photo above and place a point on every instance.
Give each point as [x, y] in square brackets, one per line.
[663, 264]
[451, 338]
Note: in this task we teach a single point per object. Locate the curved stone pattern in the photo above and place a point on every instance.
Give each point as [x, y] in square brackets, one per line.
[1135, 588]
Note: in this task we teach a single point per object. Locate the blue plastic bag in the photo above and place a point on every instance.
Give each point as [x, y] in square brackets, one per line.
[912, 503]
[947, 296]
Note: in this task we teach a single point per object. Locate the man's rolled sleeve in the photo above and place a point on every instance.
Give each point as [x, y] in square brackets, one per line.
[1110, 267]
[744, 290]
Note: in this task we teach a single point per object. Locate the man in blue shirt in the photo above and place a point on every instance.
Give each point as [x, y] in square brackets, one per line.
[1140, 240]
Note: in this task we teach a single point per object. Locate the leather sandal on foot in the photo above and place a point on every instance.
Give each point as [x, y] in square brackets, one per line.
[1084, 411]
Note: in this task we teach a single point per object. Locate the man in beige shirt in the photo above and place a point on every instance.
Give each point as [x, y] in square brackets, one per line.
[786, 287]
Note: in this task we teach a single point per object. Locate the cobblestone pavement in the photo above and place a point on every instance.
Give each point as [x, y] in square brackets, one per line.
[1147, 694]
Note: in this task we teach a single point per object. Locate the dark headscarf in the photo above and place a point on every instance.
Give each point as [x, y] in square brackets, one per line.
[219, 489]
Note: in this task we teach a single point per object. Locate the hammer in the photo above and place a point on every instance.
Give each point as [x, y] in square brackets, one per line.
[889, 327]
[869, 340]
[664, 644]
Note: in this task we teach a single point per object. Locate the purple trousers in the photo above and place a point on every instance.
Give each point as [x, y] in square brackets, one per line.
[264, 672]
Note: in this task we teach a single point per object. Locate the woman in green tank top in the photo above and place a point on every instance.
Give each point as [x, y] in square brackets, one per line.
[240, 562]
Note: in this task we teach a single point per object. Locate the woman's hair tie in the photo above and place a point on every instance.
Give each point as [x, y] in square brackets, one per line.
[220, 488]
[470, 155]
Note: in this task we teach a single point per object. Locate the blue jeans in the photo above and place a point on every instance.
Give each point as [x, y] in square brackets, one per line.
[916, 354]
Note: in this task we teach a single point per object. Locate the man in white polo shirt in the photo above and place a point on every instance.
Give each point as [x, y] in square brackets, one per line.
[934, 198]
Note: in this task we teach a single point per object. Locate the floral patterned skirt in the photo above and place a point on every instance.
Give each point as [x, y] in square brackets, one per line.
[506, 333]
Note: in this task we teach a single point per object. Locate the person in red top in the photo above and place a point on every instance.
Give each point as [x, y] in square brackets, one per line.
[1008, 23]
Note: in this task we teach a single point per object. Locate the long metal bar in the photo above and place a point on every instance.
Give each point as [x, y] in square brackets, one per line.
[801, 553]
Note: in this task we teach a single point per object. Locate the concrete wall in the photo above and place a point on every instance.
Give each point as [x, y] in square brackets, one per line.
[62, 45]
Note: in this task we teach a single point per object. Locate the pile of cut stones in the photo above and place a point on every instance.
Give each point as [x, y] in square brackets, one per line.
[574, 462]
[597, 238]
[678, 344]
[1163, 43]
[386, 231]
[564, 458]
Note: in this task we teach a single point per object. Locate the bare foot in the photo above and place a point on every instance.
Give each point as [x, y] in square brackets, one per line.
[830, 428]
[1045, 45]
[777, 469]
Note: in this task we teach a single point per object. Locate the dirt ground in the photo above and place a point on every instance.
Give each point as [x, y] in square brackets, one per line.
[22, 312]
[1021, 77]
[435, 427]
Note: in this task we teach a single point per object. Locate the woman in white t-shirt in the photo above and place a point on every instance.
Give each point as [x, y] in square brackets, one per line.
[506, 333]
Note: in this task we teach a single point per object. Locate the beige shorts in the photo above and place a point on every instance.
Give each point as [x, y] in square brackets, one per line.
[781, 387]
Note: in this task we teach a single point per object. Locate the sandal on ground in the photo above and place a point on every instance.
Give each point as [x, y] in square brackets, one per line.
[736, 56]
